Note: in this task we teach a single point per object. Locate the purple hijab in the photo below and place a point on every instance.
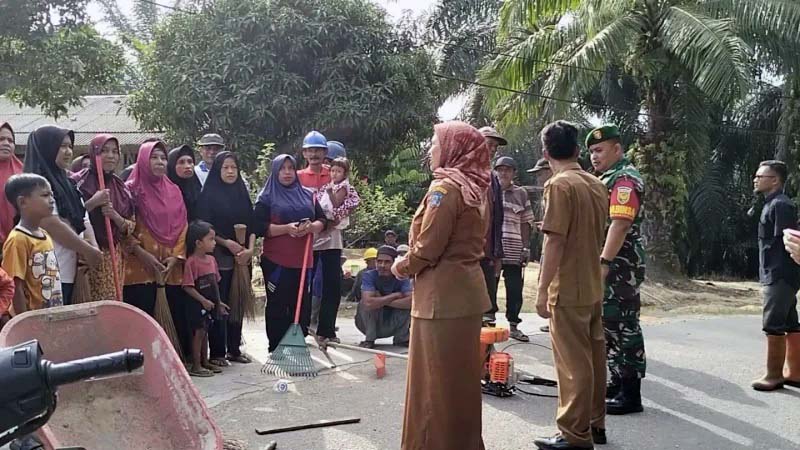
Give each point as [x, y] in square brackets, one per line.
[286, 204]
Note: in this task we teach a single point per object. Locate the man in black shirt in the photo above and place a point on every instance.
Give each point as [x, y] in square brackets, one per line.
[777, 272]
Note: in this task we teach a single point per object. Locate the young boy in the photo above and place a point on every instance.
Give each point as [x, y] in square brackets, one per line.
[29, 257]
[201, 281]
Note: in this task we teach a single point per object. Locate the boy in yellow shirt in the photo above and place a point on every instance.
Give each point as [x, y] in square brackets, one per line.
[28, 253]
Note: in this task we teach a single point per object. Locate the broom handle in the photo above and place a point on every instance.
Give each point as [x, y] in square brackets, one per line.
[302, 280]
[109, 234]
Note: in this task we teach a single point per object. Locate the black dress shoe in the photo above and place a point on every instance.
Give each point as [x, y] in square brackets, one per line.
[558, 443]
[599, 436]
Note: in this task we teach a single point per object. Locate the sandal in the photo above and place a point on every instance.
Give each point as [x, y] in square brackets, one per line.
[219, 362]
[201, 372]
[212, 368]
[241, 359]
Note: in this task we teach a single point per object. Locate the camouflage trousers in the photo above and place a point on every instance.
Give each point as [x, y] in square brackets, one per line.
[624, 339]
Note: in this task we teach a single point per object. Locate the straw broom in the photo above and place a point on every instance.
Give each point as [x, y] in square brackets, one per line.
[242, 299]
[163, 315]
[82, 292]
[101, 182]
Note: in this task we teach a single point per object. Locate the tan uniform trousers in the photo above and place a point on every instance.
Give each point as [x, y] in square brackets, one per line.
[579, 353]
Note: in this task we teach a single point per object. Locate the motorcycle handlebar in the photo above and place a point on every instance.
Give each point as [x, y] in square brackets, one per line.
[80, 369]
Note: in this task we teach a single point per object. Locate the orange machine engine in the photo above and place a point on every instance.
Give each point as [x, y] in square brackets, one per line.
[498, 366]
[501, 368]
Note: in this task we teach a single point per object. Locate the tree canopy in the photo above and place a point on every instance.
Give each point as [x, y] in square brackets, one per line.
[50, 55]
[256, 70]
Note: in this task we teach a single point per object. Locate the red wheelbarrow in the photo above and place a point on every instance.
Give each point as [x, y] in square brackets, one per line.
[157, 409]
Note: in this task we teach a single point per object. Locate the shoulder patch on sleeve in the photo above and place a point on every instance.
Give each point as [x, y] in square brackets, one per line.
[435, 198]
[623, 195]
[439, 188]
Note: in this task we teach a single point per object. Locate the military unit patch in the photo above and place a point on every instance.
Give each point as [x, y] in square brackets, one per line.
[623, 195]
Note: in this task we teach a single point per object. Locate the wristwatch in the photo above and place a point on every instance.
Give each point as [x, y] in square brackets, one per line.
[605, 262]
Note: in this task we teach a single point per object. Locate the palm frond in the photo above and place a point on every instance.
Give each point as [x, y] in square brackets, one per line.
[516, 14]
[771, 24]
[718, 60]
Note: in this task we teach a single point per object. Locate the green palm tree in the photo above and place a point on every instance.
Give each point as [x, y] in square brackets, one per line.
[689, 59]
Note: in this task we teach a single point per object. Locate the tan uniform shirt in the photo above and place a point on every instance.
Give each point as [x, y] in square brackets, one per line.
[447, 238]
[576, 206]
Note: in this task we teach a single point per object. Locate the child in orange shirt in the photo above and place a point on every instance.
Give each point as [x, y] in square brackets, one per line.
[29, 257]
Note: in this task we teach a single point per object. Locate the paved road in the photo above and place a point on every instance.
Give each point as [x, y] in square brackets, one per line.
[697, 397]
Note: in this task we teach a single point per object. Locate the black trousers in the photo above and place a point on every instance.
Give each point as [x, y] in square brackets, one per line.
[218, 338]
[487, 265]
[282, 287]
[66, 293]
[331, 290]
[512, 274]
[177, 299]
[142, 296]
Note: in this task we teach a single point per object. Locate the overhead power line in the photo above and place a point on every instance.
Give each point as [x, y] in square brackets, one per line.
[599, 106]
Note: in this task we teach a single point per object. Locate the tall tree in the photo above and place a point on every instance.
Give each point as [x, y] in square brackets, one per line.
[686, 57]
[257, 70]
[50, 54]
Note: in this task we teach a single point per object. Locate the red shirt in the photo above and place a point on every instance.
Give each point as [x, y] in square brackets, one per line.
[313, 180]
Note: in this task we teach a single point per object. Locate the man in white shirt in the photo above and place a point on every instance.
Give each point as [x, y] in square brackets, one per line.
[209, 145]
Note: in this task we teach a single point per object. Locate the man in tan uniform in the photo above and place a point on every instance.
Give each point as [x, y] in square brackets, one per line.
[571, 291]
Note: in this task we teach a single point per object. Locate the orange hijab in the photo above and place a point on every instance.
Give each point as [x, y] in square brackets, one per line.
[464, 160]
[10, 167]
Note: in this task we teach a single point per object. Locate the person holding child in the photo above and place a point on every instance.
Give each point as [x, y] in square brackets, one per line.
[49, 154]
[201, 280]
[225, 204]
[286, 215]
[159, 243]
[117, 205]
[338, 200]
[29, 255]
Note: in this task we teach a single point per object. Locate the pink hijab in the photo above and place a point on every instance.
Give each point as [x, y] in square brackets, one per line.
[159, 203]
[464, 160]
[8, 168]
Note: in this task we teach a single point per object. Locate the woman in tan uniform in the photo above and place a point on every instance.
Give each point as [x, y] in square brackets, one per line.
[443, 393]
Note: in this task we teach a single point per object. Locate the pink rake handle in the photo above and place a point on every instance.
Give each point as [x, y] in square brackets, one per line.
[302, 280]
[110, 235]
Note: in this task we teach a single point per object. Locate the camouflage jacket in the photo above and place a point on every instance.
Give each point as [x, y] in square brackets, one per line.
[627, 271]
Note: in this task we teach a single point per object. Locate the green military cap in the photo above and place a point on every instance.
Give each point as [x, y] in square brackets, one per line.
[602, 133]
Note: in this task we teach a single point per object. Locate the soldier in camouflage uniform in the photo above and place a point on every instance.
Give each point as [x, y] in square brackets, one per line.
[623, 261]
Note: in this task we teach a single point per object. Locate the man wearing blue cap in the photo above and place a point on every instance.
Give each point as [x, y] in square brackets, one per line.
[315, 175]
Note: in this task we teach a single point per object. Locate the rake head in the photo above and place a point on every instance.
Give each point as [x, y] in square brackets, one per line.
[291, 357]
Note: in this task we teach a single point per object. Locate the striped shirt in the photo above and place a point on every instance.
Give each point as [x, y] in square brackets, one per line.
[517, 210]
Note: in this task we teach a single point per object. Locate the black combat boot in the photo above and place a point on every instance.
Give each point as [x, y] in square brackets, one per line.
[613, 387]
[629, 399]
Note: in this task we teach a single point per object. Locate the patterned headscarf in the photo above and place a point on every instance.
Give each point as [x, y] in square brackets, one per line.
[464, 160]
[88, 185]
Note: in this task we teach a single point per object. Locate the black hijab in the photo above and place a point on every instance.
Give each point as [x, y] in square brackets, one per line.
[224, 205]
[40, 158]
[190, 187]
